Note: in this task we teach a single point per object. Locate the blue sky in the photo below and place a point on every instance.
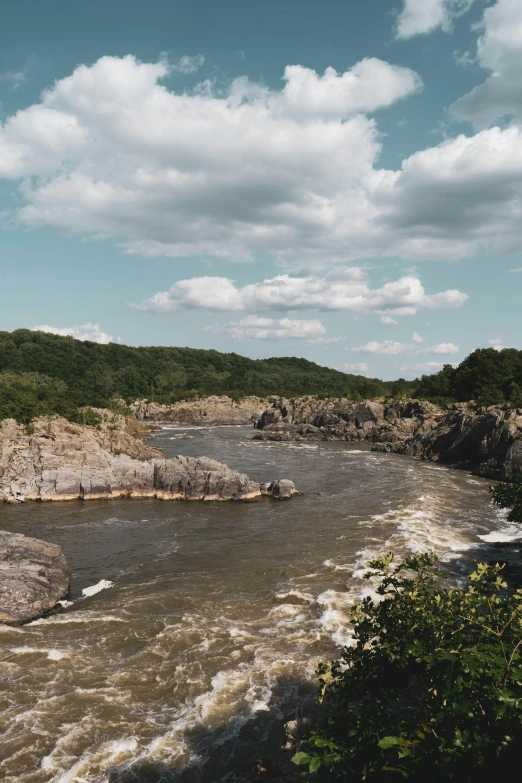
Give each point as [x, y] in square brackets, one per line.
[340, 181]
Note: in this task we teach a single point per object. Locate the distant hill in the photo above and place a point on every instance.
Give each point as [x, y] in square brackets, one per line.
[49, 373]
[45, 373]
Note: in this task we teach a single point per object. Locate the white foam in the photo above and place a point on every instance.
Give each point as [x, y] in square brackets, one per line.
[76, 618]
[52, 654]
[103, 584]
[504, 535]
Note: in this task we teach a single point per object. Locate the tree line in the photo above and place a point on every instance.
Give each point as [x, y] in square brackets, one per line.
[44, 373]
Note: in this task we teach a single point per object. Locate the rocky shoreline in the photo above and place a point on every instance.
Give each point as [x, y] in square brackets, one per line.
[59, 460]
[488, 443]
[208, 411]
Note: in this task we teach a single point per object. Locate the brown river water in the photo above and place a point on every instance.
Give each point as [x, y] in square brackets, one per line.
[203, 622]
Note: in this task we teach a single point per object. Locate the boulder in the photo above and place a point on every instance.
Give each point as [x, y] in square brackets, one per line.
[34, 576]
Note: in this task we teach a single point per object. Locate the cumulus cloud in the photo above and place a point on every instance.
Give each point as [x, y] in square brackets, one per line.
[499, 50]
[445, 348]
[361, 367]
[244, 171]
[258, 328]
[340, 289]
[387, 320]
[388, 347]
[497, 344]
[423, 16]
[423, 367]
[88, 331]
[417, 338]
[518, 269]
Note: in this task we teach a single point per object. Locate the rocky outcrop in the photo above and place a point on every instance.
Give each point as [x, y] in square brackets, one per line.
[489, 443]
[211, 411]
[34, 576]
[63, 461]
[311, 419]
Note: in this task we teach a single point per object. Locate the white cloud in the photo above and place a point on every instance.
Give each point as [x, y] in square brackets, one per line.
[388, 347]
[417, 338]
[423, 16]
[445, 348]
[110, 151]
[361, 367]
[518, 269]
[88, 331]
[499, 50]
[424, 367]
[14, 78]
[257, 328]
[340, 289]
[188, 64]
[497, 344]
[387, 320]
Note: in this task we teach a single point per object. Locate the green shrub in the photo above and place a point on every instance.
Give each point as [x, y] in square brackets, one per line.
[431, 688]
[509, 496]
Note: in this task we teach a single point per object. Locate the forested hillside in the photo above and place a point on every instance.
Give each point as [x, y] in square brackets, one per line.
[41, 373]
[44, 373]
[488, 376]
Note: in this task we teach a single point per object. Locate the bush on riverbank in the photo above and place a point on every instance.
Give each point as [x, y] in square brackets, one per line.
[431, 688]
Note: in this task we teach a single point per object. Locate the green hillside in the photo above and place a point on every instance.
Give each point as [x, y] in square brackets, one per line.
[41, 373]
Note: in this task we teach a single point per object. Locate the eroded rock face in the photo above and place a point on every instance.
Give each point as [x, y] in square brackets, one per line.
[34, 576]
[63, 461]
[212, 411]
[490, 444]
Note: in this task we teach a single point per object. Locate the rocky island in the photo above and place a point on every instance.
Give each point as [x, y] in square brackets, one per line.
[59, 460]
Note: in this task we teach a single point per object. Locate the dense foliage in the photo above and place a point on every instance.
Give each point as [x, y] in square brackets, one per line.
[25, 396]
[509, 496]
[59, 374]
[431, 689]
[94, 373]
[487, 376]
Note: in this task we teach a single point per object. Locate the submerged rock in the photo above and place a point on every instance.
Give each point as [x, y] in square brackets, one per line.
[34, 576]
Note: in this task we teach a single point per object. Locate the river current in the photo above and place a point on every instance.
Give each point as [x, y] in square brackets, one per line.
[194, 629]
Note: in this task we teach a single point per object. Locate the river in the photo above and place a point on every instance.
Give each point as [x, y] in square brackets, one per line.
[187, 665]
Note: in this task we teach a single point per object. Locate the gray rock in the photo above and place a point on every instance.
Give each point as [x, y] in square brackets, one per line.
[489, 444]
[64, 462]
[34, 576]
[283, 489]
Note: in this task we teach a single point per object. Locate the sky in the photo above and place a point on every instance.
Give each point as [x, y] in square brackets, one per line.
[340, 181]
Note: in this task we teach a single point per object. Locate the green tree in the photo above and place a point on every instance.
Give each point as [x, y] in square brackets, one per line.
[509, 496]
[431, 689]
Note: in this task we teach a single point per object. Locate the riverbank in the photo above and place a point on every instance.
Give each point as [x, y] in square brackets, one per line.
[488, 443]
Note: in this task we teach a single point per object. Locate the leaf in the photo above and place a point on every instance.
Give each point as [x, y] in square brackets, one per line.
[389, 742]
[301, 758]
[315, 764]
